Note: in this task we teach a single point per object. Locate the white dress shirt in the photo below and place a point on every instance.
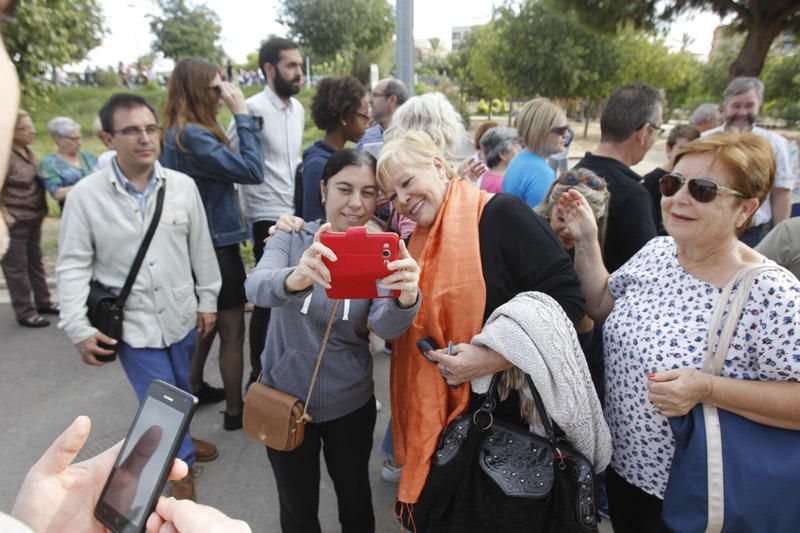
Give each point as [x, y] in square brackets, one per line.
[784, 178]
[281, 138]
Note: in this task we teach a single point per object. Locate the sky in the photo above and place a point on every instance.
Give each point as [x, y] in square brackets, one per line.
[245, 23]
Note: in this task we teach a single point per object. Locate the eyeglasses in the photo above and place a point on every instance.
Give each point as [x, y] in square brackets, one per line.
[703, 190]
[593, 182]
[217, 90]
[659, 129]
[559, 130]
[76, 138]
[134, 132]
[374, 95]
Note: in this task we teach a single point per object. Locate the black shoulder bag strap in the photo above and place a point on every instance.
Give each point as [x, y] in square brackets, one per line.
[137, 263]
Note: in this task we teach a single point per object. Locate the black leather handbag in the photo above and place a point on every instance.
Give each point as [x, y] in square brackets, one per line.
[104, 308]
[489, 475]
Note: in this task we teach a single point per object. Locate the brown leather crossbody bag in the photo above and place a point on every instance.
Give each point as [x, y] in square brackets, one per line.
[277, 419]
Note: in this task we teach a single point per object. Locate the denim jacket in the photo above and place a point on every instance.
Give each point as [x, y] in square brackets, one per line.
[215, 167]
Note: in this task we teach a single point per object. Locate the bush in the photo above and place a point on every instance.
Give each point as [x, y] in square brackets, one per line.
[107, 78]
[482, 108]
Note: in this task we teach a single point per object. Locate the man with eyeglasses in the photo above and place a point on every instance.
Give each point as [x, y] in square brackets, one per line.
[741, 105]
[176, 288]
[387, 96]
[281, 139]
[629, 126]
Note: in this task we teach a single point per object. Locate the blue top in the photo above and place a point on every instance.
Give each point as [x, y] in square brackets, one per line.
[56, 172]
[373, 134]
[315, 157]
[140, 196]
[215, 167]
[529, 177]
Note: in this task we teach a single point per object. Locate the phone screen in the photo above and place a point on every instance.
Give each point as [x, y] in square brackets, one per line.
[141, 464]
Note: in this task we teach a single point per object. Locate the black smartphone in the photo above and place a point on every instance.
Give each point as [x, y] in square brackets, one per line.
[141, 469]
[426, 345]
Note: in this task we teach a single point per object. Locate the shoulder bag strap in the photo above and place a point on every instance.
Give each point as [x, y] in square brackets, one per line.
[137, 262]
[306, 417]
[715, 358]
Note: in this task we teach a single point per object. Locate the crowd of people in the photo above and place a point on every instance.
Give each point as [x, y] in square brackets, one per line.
[630, 266]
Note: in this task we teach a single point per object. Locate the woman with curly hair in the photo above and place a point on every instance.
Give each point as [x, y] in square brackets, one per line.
[339, 108]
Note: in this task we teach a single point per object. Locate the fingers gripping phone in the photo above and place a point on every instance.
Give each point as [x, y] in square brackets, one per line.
[146, 457]
[361, 262]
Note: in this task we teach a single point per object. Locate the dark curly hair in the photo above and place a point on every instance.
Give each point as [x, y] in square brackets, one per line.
[336, 99]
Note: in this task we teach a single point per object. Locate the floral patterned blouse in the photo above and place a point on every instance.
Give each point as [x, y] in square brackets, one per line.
[660, 321]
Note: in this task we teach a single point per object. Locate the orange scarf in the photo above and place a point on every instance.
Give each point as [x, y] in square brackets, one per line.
[453, 301]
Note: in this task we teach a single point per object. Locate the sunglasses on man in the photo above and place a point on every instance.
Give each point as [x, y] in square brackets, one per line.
[704, 190]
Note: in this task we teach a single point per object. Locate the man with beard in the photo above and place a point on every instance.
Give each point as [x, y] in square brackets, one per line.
[281, 137]
[741, 104]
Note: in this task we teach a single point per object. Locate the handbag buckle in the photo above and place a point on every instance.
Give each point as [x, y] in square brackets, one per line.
[486, 412]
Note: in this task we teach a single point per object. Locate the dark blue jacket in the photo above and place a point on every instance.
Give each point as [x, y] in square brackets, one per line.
[215, 167]
[315, 157]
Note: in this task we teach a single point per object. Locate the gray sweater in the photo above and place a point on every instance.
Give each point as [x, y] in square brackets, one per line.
[345, 380]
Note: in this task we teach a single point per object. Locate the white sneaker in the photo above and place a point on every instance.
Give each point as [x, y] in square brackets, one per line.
[377, 405]
[391, 473]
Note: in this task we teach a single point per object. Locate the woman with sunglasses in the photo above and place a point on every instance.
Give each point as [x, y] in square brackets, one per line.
[339, 108]
[657, 308]
[195, 144]
[543, 127]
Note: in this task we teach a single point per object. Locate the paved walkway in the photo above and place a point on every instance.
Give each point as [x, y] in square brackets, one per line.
[45, 386]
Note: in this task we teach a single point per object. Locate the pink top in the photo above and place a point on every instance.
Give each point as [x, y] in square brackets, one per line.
[491, 182]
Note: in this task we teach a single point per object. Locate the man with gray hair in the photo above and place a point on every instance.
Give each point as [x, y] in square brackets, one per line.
[629, 126]
[741, 105]
[387, 96]
[706, 117]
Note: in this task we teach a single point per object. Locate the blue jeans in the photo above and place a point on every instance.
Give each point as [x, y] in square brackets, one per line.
[170, 364]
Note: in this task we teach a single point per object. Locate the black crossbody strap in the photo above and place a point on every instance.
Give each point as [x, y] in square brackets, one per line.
[137, 263]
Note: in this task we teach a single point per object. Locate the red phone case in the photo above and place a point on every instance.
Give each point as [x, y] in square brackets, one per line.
[361, 262]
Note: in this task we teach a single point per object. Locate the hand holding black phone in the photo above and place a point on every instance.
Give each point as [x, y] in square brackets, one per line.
[141, 469]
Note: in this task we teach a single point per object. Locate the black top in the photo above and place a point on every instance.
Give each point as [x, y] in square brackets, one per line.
[651, 184]
[519, 253]
[631, 220]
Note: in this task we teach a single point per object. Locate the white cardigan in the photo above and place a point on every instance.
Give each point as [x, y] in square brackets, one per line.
[534, 334]
[101, 230]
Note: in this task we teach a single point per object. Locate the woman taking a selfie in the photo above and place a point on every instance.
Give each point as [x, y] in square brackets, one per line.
[291, 279]
[196, 145]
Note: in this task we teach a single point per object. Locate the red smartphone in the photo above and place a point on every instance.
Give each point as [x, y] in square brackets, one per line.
[361, 262]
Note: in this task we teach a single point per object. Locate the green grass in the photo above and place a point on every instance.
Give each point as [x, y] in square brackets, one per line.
[83, 103]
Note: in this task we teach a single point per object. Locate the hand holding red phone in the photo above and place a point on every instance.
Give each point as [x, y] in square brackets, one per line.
[311, 269]
[404, 279]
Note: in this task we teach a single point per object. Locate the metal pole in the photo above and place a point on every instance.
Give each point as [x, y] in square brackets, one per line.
[405, 43]
[308, 70]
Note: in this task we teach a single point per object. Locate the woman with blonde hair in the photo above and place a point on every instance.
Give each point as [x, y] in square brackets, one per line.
[195, 144]
[434, 114]
[474, 248]
[543, 127]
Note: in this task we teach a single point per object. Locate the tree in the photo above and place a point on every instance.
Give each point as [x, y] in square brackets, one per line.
[49, 34]
[185, 30]
[760, 20]
[331, 28]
